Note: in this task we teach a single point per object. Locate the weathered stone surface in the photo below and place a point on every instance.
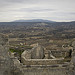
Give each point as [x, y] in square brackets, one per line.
[73, 58]
[37, 52]
[17, 67]
[5, 61]
[73, 44]
[46, 71]
[26, 55]
[73, 54]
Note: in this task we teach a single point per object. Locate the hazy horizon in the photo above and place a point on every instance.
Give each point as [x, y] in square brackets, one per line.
[36, 19]
[53, 10]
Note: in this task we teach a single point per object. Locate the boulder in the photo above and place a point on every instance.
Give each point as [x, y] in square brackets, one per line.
[37, 52]
[73, 54]
[26, 55]
[73, 44]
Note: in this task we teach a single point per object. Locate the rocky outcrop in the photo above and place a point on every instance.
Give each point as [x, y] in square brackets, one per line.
[12, 66]
[73, 58]
[73, 44]
[37, 52]
[73, 54]
[5, 61]
[26, 55]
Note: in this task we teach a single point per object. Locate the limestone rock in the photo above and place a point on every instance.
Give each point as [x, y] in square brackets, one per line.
[5, 61]
[73, 44]
[37, 52]
[26, 55]
[73, 54]
[73, 58]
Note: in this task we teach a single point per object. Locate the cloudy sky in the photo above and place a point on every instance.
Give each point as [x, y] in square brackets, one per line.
[55, 10]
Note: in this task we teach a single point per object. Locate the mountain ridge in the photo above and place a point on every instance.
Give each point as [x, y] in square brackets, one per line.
[33, 20]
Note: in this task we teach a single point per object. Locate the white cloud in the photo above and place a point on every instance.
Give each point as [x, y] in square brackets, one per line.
[59, 10]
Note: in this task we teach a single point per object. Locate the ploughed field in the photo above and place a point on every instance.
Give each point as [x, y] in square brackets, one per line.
[52, 36]
[49, 35]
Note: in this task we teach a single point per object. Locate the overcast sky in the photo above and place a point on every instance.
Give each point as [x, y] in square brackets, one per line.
[55, 10]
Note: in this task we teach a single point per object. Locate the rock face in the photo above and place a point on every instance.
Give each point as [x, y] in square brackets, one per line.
[5, 61]
[73, 58]
[73, 54]
[26, 55]
[37, 52]
[73, 44]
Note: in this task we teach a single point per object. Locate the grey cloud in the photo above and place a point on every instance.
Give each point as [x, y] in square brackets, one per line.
[12, 2]
[7, 1]
[27, 1]
[29, 10]
[35, 9]
[73, 13]
[18, 1]
[64, 13]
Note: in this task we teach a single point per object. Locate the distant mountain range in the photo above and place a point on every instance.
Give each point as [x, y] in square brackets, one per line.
[34, 20]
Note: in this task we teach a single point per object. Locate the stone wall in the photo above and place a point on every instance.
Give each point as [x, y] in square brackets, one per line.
[45, 70]
[41, 61]
[59, 53]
